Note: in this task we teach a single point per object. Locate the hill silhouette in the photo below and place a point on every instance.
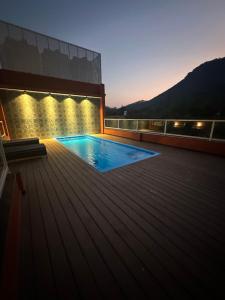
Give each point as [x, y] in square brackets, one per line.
[201, 94]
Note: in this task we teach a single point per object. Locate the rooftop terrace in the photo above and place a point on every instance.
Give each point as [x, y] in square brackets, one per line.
[151, 230]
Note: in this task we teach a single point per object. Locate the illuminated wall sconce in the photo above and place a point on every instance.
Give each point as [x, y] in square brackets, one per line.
[199, 124]
[176, 124]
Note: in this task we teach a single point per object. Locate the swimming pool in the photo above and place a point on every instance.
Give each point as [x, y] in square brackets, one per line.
[104, 155]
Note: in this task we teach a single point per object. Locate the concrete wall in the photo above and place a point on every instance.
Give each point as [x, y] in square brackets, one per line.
[43, 115]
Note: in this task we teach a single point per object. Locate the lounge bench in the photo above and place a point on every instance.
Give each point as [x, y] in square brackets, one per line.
[25, 151]
[21, 142]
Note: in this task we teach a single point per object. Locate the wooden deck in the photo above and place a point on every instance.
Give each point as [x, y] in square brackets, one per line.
[151, 230]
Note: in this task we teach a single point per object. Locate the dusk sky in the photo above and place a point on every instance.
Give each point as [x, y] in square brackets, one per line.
[147, 46]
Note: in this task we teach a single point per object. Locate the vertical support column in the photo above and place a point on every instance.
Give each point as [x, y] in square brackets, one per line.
[211, 131]
[137, 126]
[165, 127]
[102, 111]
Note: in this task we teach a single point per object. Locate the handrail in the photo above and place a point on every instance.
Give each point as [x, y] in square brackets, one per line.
[164, 127]
[182, 120]
[4, 168]
[2, 124]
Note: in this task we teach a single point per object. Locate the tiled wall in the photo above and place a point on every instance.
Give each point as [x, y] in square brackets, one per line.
[42, 115]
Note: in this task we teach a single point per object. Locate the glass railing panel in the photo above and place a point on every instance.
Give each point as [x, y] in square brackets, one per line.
[83, 64]
[53, 58]
[63, 63]
[219, 130]
[112, 123]
[27, 51]
[128, 124]
[3, 33]
[42, 44]
[73, 63]
[151, 125]
[190, 128]
[15, 33]
[97, 67]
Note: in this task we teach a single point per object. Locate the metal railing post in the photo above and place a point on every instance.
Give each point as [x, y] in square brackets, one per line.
[211, 131]
[165, 127]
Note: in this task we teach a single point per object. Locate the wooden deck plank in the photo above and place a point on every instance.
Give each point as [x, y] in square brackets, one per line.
[44, 280]
[121, 179]
[185, 192]
[130, 196]
[27, 274]
[103, 277]
[119, 248]
[98, 188]
[200, 254]
[65, 281]
[157, 199]
[147, 259]
[195, 181]
[151, 229]
[191, 167]
[157, 236]
[210, 226]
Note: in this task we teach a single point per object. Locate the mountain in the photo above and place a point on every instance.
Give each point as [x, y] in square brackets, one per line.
[201, 94]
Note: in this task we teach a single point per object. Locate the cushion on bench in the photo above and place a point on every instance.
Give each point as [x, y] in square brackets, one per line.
[21, 142]
[26, 151]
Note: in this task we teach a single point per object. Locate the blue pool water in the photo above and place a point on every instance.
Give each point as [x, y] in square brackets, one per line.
[104, 155]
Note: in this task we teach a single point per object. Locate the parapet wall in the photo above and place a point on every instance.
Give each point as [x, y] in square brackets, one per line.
[195, 144]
